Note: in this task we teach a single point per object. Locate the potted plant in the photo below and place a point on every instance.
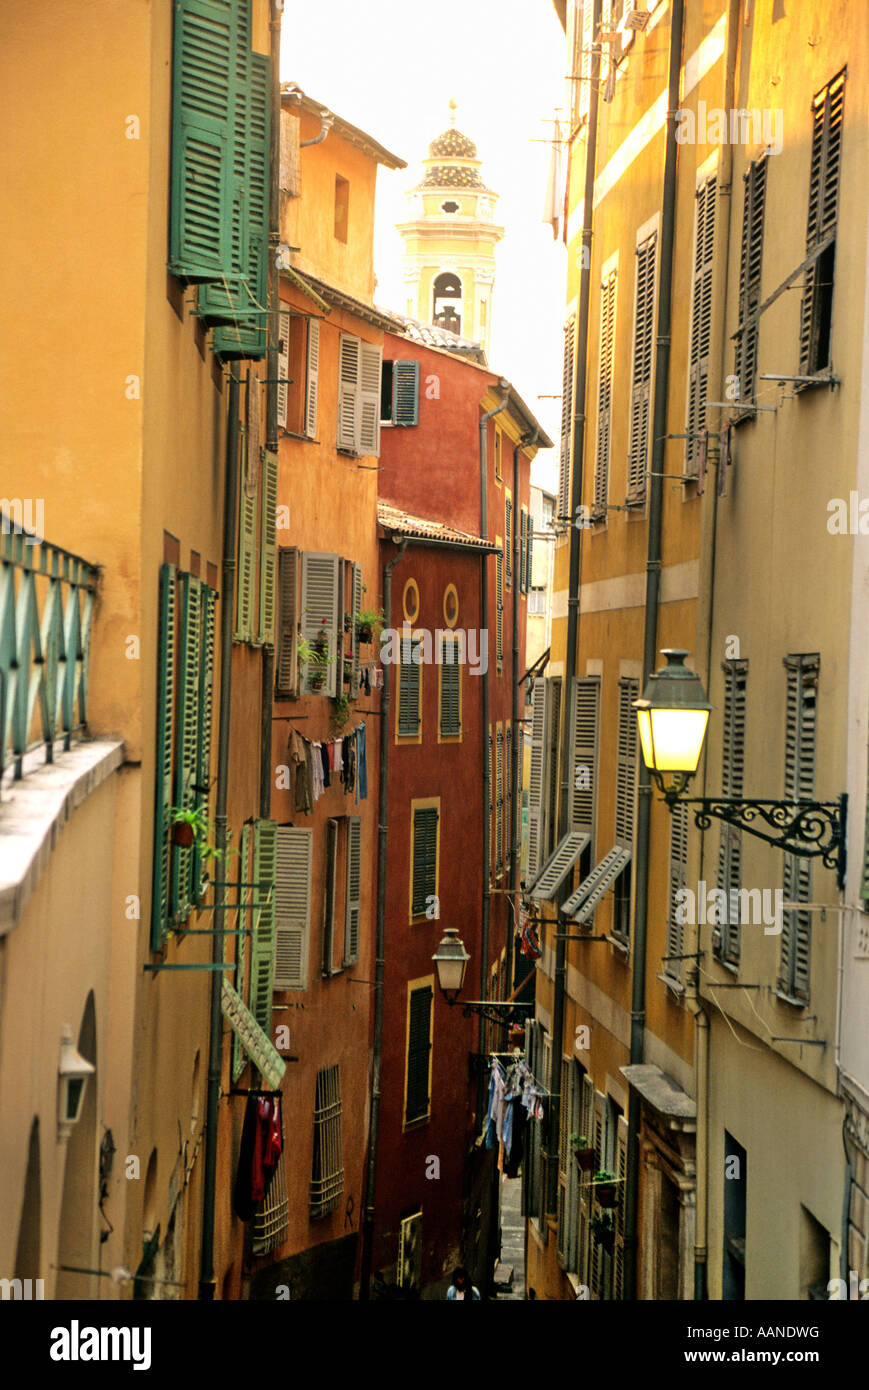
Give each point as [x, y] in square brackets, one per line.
[369, 621]
[340, 714]
[315, 655]
[348, 671]
[605, 1188]
[583, 1152]
[603, 1230]
[188, 826]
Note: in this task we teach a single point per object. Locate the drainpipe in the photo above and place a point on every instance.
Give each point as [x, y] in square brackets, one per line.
[515, 794]
[650, 636]
[215, 1046]
[579, 389]
[326, 119]
[380, 948]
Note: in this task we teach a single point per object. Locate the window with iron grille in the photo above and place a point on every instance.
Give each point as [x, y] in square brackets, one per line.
[726, 937]
[327, 1172]
[701, 320]
[604, 395]
[626, 762]
[641, 371]
[272, 1221]
[751, 257]
[800, 750]
[419, 1048]
[816, 311]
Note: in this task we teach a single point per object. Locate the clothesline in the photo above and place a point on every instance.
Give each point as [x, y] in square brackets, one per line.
[314, 762]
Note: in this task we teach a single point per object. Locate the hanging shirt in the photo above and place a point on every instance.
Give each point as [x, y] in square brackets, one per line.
[362, 765]
[304, 799]
[339, 757]
[324, 762]
[318, 771]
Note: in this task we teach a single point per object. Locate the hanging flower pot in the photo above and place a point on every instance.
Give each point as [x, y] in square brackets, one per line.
[606, 1189]
[182, 834]
[585, 1159]
[363, 632]
[603, 1233]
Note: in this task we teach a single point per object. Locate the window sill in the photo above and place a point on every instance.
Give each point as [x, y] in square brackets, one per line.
[674, 986]
[822, 378]
[790, 999]
[731, 966]
[304, 438]
[621, 945]
[742, 417]
[416, 1124]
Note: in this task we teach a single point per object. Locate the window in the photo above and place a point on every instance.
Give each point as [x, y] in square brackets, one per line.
[552, 750]
[508, 782]
[582, 772]
[537, 602]
[567, 1243]
[417, 1090]
[399, 393]
[451, 605]
[342, 208]
[298, 373]
[320, 620]
[626, 771]
[524, 577]
[292, 906]
[751, 256]
[800, 748]
[449, 206]
[541, 707]
[343, 875]
[508, 539]
[677, 867]
[622, 905]
[816, 311]
[529, 549]
[327, 1169]
[424, 856]
[701, 320]
[499, 603]
[563, 513]
[498, 446]
[410, 601]
[256, 562]
[499, 800]
[409, 702]
[604, 395]
[264, 922]
[581, 41]
[409, 1250]
[726, 937]
[447, 302]
[358, 396]
[353, 890]
[451, 688]
[318, 596]
[185, 664]
[641, 371]
[330, 905]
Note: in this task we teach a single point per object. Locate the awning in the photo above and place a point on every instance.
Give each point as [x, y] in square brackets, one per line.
[583, 902]
[255, 1042]
[558, 866]
[660, 1091]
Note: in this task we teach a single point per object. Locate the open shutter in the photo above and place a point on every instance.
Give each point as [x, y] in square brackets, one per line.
[585, 1129]
[187, 734]
[751, 256]
[409, 685]
[499, 607]
[425, 858]
[262, 959]
[508, 540]
[353, 890]
[523, 570]
[726, 937]
[348, 390]
[329, 895]
[626, 774]
[292, 906]
[827, 126]
[355, 607]
[597, 1263]
[701, 319]
[313, 378]
[508, 796]
[208, 603]
[220, 302]
[641, 371]
[286, 661]
[283, 368]
[246, 550]
[266, 633]
[160, 904]
[539, 726]
[405, 392]
[321, 597]
[499, 799]
[800, 749]
[245, 896]
[418, 1053]
[369, 399]
[204, 93]
[529, 548]
[678, 862]
[563, 517]
[621, 1174]
[605, 394]
[563, 1133]
[584, 723]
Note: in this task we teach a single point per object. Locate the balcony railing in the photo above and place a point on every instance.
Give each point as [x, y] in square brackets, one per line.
[46, 602]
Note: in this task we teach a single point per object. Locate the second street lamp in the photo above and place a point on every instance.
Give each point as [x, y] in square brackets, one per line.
[451, 961]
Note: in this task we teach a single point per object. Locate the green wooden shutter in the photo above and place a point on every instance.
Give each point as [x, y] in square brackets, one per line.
[208, 604]
[246, 554]
[262, 965]
[641, 370]
[451, 688]
[243, 898]
[293, 907]
[418, 1053]
[266, 630]
[204, 93]
[286, 658]
[312, 379]
[353, 890]
[425, 857]
[283, 367]
[219, 302]
[187, 738]
[409, 685]
[405, 392]
[508, 540]
[606, 358]
[160, 900]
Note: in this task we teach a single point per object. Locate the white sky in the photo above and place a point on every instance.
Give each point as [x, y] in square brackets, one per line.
[391, 68]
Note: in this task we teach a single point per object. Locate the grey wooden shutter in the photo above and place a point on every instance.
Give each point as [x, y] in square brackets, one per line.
[321, 599]
[537, 776]
[626, 772]
[677, 867]
[550, 802]
[605, 394]
[405, 392]
[330, 895]
[563, 518]
[828, 109]
[286, 643]
[409, 687]
[451, 685]
[312, 380]
[425, 857]
[524, 579]
[245, 898]
[294, 855]
[621, 1171]
[356, 604]
[508, 778]
[563, 1132]
[289, 171]
[750, 262]
[348, 391]
[353, 890]
[726, 937]
[800, 748]
[283, 366]
[418, 1053]
[641, 370]
[263, 946]
[161, 888]
[701, 319]
[369, 399]
[584, 724]
[268, 549]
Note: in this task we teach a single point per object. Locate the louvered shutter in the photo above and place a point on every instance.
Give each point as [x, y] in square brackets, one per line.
[348, 389]
[539, 725]
[605, 394]
[187, 735]
[425, 858]
[286, 660]
[726, 937]
[312, 380]
[641, 370]
[330, 895]
[353, 890]
[208, 604]
[160, 900]
[550, 823]
[369, 399]
[294, 854]
[677, 866]
[524, 578]
[584, 722]
[597, 1274]
[451, 686]
[283, 368]
[559, 864]
[701, 319]
[499, 608]
[321, 597]
[571, 1244]
[626, 774]
[561, 1209]
[245, 896]
[409, 686]
[750, 263]
[563, 517]
[204, 93]
[246, 554]
[585, 38]
[491, 756]
[499, 799]
[828, 109]
[529, 545]
[508, 540]
[405, 392]
[266, 632]
[586, 1130]
[418, 1053]
[356, 605]
[262, 955]
[508, 795]
[220, 302]
[800, 748]
[621, 1173]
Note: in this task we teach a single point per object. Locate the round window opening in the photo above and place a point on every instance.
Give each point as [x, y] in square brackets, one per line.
[449, 206]
[451, 605]
[411, 601]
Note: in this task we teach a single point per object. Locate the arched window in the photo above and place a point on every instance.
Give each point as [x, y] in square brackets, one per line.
[447, 301]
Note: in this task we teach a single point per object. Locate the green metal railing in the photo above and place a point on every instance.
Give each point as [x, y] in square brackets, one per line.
[46, 603]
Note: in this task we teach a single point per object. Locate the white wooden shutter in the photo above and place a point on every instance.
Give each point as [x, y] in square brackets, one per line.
[537, 776]
[584, 723]
[293, 906]
[312, 379]
[353, 890]
[283, 368]
[641, 371]
[369, 399]
[321, 598]
[348, 391]
[286, 638]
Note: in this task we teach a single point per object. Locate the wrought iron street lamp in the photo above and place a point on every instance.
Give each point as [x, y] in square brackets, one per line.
[451, 960]
[672, 719]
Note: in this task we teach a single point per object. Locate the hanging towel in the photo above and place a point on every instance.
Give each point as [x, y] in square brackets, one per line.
[324, 762]
[318, 771]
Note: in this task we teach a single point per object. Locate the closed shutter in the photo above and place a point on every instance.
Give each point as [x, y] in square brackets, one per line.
[246, 553]
[584, 723]
[312, 380]
[537, 776]
[626, 772]
[508, 539]
[245, 897]
[597, 1271]
[262, 956]
[524, 577]
[499, 799]
[499, 607]
[320, 611]
[584, 37]
[283, 368]
[508, 796]
[418, 1053]
[294, 851]
[621, 1170]
[726, 937]
[424, 870]
[586, 1131]
[348, 385]
[409, 687]
[405, 392]
[563, 517]
[160, 899]
[286, 660]
[553, 748]
[677, 866]
[208, 604]
[369, 400]
[641, 371]
[219, 303]
[266, 631]
[563, 1132]
[490, 821]
[451, 689]
[605, 394]
[353, 890]
[355, 607]
[529, 548]
[750, 261]
[571, 1243]
[204, 93]
[187, 736]
[701, 319]
[828, 109]
[800, 749]
[329, 894]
